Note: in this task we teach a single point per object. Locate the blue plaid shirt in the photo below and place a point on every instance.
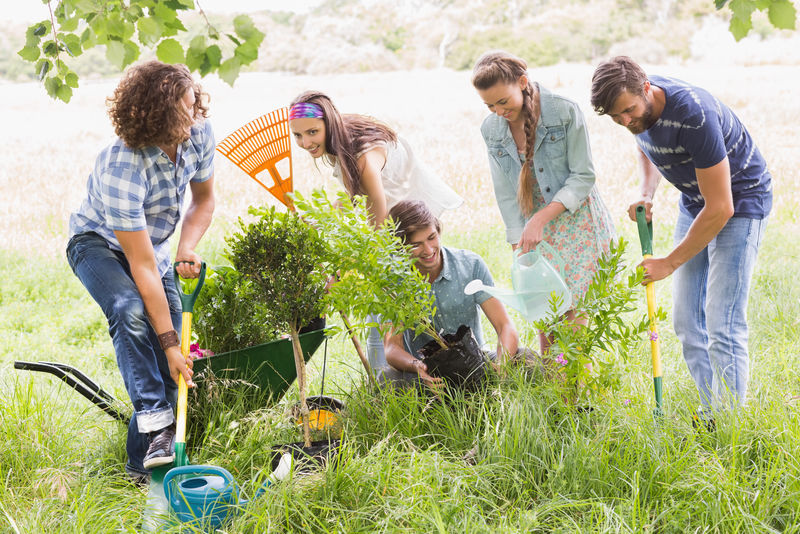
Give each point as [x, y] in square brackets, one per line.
[141, 189]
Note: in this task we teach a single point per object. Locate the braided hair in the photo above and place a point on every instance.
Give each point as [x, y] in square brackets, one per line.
[501, 67]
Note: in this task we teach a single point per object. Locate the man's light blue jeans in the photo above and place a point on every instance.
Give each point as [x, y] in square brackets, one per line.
[106, 275]
[710, 309]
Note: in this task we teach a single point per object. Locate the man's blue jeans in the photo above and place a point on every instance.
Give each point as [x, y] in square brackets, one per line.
[106, 275]
[710, 309]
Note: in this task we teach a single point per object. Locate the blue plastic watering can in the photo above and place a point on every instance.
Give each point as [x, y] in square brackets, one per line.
[206, 496]
[535, 280]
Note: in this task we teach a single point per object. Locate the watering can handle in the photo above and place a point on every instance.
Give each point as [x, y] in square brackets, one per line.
[558, 262]
[194, 470]
[645, 231]
[188, 299]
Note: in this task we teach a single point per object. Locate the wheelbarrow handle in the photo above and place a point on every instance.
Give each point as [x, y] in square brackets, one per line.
[645, 231]
[188, 299]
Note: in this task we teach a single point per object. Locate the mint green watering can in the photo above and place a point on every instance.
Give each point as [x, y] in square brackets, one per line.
[535, 281]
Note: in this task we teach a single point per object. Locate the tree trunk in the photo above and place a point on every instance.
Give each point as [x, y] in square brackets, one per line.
[359, 350]
[300, 365]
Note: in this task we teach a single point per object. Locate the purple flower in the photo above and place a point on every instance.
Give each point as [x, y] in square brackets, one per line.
[560, 359]
[626, 402]
[653, 336]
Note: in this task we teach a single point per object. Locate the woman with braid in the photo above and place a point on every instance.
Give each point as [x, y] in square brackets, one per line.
[367, 156]
[542, 170]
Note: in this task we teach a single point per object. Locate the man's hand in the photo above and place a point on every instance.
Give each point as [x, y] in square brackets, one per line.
[647, 202]
[435, 383]
[188, 264]
[179, 366]
[656, 269]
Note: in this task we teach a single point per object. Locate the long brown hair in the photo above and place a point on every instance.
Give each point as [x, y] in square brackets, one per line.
[501, 67]
[146, 108]
[346, 136]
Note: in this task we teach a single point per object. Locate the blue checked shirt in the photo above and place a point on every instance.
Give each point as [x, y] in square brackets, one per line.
[141, 189]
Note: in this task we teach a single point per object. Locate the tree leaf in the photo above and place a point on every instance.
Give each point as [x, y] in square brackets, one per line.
[149, 31]
[246, 52]
[68, 25]
[229, 70]
[41, 28]
[783, 15]
[719, 4]
[196, 54]
[740, 27]
[29, 53]
[50, 48]
[71, 79]
[214, 55]
[115, 53]
[51, 85]
[244, 27]
[64, 92]
[72, 44]
[131, 52]
[170, 51]
[43, 66]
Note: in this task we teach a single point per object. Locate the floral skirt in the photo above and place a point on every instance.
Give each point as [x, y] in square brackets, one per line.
[579, 238]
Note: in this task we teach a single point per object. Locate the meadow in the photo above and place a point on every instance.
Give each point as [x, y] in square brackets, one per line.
[513, 459]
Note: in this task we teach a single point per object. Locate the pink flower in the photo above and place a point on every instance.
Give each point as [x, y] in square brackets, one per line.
[653, 336]
[626, 402]
[195, 352]
[560, 359]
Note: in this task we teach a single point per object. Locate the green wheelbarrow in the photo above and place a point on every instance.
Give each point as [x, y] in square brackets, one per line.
[269, 367]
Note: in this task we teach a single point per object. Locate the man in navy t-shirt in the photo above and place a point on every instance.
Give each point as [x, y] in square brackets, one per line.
[699, 145]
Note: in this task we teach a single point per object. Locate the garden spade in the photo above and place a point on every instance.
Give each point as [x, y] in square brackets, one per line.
[156, 513]
[646, 240]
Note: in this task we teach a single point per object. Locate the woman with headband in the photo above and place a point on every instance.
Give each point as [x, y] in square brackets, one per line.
[368, 157]
[542, 170]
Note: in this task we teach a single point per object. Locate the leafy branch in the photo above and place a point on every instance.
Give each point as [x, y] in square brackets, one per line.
[376, 271]
[124, 28]
[781, 13]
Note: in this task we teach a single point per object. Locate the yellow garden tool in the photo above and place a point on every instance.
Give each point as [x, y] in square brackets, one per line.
[187, 309]
[646, 240]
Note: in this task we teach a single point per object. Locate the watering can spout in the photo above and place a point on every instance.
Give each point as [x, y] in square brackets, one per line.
[506, 296]
[535, 280]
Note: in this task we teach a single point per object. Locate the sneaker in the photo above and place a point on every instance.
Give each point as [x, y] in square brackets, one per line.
[162, 448]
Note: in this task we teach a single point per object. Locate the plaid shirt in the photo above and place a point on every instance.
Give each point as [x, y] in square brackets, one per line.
[141, 189]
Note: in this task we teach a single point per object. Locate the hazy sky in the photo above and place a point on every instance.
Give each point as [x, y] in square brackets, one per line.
[35, 10]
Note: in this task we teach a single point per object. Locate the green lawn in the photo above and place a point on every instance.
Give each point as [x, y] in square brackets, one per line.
[514, 458]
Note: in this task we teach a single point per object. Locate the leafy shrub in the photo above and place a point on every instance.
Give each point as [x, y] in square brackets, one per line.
[589, 356]
[229, 313]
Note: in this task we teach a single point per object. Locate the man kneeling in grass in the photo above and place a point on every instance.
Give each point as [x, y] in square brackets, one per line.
[448, 271]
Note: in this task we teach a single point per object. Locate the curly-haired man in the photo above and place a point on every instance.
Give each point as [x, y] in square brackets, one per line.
[119, 247]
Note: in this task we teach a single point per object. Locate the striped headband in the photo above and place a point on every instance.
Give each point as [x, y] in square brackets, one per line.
[305, 110]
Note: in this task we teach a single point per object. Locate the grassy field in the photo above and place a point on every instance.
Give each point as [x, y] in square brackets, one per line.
[512, 460]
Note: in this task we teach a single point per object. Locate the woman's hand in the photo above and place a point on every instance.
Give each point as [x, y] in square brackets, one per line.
[532, 234]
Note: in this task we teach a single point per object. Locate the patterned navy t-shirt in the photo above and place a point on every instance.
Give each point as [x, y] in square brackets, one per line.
[697, 131]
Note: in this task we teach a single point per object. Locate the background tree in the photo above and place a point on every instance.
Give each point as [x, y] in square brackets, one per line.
[123, 28]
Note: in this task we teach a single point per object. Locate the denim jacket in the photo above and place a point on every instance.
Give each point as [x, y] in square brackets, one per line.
[562, 160]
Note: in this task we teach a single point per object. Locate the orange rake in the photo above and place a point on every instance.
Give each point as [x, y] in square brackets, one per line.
[259, 146]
